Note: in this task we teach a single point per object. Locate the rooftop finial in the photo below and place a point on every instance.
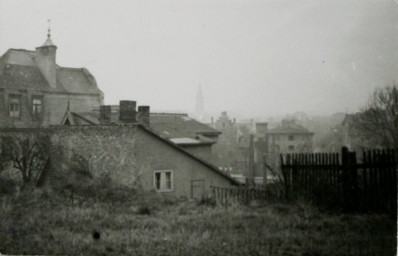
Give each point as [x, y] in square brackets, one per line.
[49, 28]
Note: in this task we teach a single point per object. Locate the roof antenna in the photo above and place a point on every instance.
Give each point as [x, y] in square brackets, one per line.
[49, 28]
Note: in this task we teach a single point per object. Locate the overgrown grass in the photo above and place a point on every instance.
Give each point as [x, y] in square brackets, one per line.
[135, 223]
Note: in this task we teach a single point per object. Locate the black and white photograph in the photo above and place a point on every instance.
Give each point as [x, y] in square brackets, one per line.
[198, 127]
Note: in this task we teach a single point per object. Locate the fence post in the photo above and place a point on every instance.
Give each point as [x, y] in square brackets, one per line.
[350, 180]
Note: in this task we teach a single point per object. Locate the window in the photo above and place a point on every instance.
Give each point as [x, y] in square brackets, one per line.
[291, 137]
[15, 106]
[291, 148]
[163, 181]
[37, 107]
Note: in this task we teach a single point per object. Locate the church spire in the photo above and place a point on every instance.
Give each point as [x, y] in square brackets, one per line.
[199, 109]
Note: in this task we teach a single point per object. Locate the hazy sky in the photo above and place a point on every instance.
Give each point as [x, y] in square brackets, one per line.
[252, 58]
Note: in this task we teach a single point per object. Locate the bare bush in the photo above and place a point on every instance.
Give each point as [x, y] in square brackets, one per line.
[379, 119]
[29, 153]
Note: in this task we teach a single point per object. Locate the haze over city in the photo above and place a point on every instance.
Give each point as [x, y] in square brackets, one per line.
[251, 58]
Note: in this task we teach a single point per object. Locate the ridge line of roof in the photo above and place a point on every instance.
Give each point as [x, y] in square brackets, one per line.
[208, 164]
[15, 49]
[82, 117]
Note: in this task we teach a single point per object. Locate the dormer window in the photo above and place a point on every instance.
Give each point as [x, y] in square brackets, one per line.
[15, 106]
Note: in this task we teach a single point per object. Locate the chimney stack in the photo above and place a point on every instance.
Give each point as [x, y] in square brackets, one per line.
[143, 115]
[127, 111]
[105, 114]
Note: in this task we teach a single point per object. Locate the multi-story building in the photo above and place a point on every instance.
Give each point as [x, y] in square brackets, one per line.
[35, 91]
[289, 137]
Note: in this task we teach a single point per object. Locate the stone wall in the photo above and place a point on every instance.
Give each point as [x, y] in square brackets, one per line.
[108, 151]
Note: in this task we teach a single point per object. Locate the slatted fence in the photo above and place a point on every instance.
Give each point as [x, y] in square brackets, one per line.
[341, 181]
[244, 195]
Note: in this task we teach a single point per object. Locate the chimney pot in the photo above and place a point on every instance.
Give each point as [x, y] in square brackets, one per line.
[144, 115]
[127, 111]
[105, 114]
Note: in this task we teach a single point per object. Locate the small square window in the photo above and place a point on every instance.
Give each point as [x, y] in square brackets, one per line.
[163, 181]
[291, 148]
[291, 137]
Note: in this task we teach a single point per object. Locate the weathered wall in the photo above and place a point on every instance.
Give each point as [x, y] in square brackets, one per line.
[124, 153]
[107, 150]
[153, 154]
[54, 107]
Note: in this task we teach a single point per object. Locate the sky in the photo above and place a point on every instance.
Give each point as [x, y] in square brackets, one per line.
[252, 58]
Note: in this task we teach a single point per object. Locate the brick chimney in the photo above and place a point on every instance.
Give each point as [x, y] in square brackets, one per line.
[127, 111]
[45, 59]
[143, 115]
[105, 114]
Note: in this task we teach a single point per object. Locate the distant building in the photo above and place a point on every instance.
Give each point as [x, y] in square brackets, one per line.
[35, 91]
[289, 137]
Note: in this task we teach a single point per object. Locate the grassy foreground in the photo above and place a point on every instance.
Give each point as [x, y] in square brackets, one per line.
[43, 222]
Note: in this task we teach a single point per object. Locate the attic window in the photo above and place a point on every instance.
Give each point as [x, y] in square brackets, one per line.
[14, 106]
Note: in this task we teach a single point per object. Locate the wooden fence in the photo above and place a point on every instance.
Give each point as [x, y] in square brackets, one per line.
[244, 195]
[340, 181]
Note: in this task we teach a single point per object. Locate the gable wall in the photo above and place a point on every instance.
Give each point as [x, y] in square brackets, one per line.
[153, 154]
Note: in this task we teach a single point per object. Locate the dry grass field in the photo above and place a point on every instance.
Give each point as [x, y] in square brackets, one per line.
[114, 221]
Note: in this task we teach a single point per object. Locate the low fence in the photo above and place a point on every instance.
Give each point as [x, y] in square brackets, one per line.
[340, 181]
[244, 195]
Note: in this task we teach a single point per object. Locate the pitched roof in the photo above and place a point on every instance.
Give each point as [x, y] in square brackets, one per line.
[81, 118]
[179, 126]
[196, 158]
[19, 70]
[294, 129]
[22, 77]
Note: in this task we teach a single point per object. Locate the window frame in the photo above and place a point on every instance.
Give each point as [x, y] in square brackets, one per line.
[12, 99]
[291, 137]
[39, 115]
[163, 180]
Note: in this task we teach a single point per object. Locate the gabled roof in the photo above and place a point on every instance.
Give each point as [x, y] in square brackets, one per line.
[295, 129]
[179, 126]
[19, 70]
[81, 118]
[196, 158]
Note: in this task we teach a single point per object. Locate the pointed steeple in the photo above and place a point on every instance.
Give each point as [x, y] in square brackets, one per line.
[46, 59]
[199, 109]
[49, 42]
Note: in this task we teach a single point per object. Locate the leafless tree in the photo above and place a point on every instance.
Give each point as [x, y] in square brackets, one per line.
[379, 119]
[29, 153]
